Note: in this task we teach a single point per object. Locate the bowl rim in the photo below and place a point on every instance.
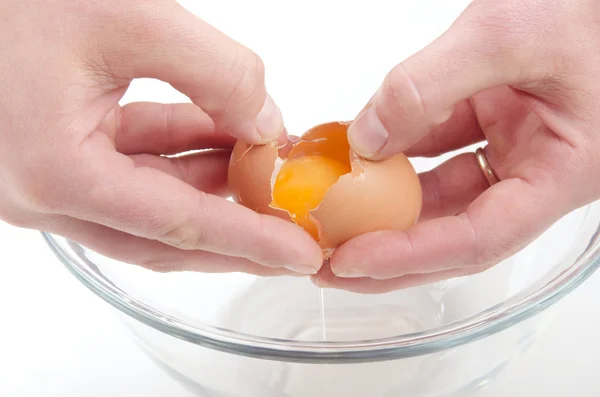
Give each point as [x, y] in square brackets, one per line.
[522, 306]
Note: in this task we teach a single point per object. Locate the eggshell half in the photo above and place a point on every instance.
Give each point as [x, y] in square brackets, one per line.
[328, 139]
[383, 195]
[249, 176]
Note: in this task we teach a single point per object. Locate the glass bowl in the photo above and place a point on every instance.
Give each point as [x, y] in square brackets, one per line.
[237, 335]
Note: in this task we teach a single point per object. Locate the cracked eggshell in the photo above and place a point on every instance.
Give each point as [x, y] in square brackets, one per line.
[329, 139]
[250, 173]
[382, 195]
[373, 196]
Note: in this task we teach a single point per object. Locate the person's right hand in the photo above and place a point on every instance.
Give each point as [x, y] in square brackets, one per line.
[73, 162]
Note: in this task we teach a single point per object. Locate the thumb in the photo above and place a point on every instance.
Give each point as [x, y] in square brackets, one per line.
[162, 40]
[481, 50]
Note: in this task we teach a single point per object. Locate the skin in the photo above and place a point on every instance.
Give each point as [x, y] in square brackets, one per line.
[75, 163]
[521, 78]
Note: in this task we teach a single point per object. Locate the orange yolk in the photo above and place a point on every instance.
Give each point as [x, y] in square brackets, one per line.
[302, 183]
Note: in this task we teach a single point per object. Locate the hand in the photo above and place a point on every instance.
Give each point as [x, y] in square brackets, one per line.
[73, 162]
[521, 75]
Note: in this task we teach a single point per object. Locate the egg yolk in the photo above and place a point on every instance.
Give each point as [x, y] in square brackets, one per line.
[302, 183]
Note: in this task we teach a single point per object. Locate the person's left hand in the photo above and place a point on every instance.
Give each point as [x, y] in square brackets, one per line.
[521, 75]
[383, 261]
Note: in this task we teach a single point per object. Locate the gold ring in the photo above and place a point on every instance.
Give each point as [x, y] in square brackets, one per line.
[485, 167]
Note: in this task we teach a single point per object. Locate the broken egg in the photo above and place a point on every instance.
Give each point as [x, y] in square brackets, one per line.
[324, 187]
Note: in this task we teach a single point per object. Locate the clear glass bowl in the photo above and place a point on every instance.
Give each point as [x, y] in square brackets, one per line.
[237, 335]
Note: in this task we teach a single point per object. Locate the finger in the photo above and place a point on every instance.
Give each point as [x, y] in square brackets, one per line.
[206, 171]
[156, 128]
[151, 254]
[106, 187]
[421, 93]
[451, 187]
[461, 130]
[162, 40]
[326, 279]
[496, 225]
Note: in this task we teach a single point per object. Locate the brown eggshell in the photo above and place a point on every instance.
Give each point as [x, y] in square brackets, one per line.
[382, 195]
[373, 196]
[249, 175]
[327, 139]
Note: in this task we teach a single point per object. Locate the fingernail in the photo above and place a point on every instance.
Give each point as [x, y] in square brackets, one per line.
[349, 274]
[302, 269]
[269, 121]
[366, 134]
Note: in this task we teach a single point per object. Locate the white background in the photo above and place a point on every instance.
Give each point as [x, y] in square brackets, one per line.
[324, 59]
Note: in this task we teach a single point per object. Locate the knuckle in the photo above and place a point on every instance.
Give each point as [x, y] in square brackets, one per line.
[183, 237]
[184, 232]
[247, 77]
[400, 98]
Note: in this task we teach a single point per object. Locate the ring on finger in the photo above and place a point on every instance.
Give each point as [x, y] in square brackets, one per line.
[487, 170]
